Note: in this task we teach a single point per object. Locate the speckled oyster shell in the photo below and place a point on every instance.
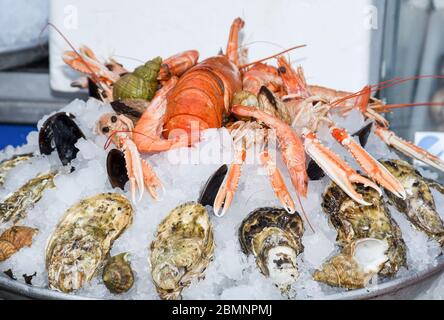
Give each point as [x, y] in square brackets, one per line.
[273, 236]
[354, 222]
[419, 206]
[16, 205]
[83, 239]
[118, 275]
[8, 164]
[182, 249]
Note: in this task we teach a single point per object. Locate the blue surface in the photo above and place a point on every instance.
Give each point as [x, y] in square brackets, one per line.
[13, 134]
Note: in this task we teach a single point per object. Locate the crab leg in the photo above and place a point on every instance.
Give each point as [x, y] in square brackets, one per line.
[226, 193]
[408, 148]
[277, 182]
[337, 169]
[370, 165]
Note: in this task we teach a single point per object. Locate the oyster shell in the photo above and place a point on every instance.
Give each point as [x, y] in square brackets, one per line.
[82, 240]
[16, 205]
[14, 239]
[273, 236]
[355, 265]
[355, 222]
[8, 164]
[182, 249]
[117, 274]
[419, 206]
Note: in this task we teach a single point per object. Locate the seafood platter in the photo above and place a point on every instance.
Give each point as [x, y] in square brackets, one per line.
[217, 178]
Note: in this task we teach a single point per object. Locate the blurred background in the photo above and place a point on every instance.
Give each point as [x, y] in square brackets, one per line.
[404, 38]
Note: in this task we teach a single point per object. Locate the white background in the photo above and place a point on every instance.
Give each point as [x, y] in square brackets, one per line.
[343, 51]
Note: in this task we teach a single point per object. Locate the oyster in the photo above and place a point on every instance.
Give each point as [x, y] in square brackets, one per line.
[8, 164]
[273, 236]
[117, 274]
[16, 205]
[419, 206]
[82, 240]
[14, 239]
[353, 223]
[182, 249]
[355, 265]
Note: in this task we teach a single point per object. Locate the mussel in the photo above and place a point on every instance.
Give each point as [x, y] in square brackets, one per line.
[116, 168]
[274, 236]
[60, 132]
[131, 108]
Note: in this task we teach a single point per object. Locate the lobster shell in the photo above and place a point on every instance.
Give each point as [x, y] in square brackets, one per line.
[202, 95]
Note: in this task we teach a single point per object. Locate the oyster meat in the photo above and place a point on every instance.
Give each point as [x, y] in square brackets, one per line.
[14, 239]
[419, 206]
[16, 205]
[273, 236]
[8, 164]
[82, 240]
[117, 274]
[182, 249]
[355, 223]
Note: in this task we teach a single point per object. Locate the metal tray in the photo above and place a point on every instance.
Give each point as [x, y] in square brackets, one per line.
[402, 288]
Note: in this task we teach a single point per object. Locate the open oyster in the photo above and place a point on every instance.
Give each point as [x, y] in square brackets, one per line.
[273, 236]
[182, 249]
[82, 240]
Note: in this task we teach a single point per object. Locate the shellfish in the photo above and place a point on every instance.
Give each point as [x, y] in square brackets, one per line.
[273, 236]
[82, 240]
[419, 206]
[117, 274]
[16, 205]
[8, 164]
[354, 224]
[14, 239]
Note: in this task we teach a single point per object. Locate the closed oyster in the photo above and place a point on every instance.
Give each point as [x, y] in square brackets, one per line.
[82, 240]
[14, 239]
[182, 249]
[419, 206]
[8, 164]
[16, 205]
[117, 274]
[355, 222]
[273, 236]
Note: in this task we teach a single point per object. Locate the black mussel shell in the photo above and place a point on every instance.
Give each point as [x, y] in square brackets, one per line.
[314, 171]
[363, 134]
[132, 108]
[60, 133]
[116, 167]
[209, 191]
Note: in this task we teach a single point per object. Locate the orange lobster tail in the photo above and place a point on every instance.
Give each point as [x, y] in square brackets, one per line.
[202, 95]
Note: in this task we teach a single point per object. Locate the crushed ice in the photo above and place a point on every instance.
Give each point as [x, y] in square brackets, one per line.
[231, 275]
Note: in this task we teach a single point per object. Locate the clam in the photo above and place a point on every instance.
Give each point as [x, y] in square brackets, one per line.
[117, 274]
[273, 237]
[83, 239]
